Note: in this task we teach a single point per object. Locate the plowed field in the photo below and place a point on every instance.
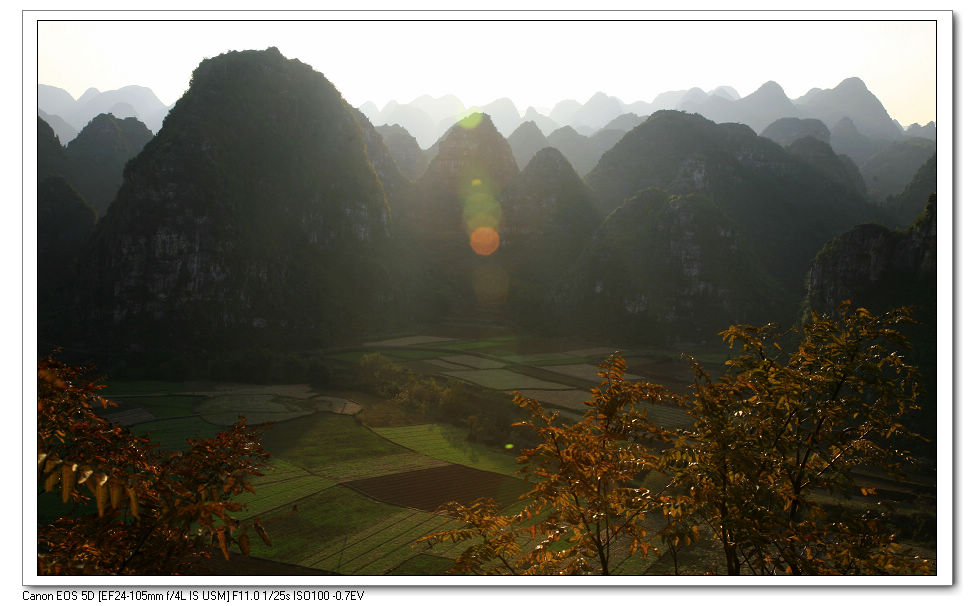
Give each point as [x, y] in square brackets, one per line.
[427, 489]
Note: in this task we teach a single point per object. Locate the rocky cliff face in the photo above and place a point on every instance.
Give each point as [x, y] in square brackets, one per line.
[410, 159]
[548, 216]
[785, 207]
[665, 269]
[253, 217]
[876, 267]
[839, 169]
[97, 157]
[473, 159]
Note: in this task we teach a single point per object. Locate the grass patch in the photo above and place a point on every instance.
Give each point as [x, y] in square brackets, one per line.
[325, 438]
[145, 387]
[323, 517]
[422, 565]
[473, 361]
[449, 444]
[502, 379]
[171, 434]
[256, 408]
[161, 406]
[392, 414]
[268, 496]
[573, 399]
[378, 548]
[479, 344]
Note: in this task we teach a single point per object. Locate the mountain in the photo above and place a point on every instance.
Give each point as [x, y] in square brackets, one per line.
[597, 111]
[624, 122]
[410, 159]
[447, 107]
[764, 106]
[850, 99]
[54, 100]
[928, 131]
[503, 114]
[910, 203]
[890, 169]
[666, 269]
[396, 185]
[64, 131]
[254, 218]
[578, 149]
[785, 131]
[880, 269]
[51, 160]
[779, 203]
[846, 139]
[544, 123]
[456, 212]
[416, 121]
[839, 169]
[727, 92]
[547, 214]
[98, 155]
[564, 110]
[128, 101]
[525, 142]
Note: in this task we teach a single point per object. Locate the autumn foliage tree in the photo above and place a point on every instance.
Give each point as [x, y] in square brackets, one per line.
[149, 511]
[584, 510]
[778, 445]
[782, 433]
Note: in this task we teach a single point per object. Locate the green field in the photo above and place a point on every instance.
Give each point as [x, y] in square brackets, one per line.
[330, 514]
[161, 407]
[502, 379]
[256, 408]
[280, 485]
[449, 443]
[172, 434]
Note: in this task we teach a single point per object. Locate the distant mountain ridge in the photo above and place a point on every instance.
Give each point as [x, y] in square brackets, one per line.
[129, 101]
[427, 118]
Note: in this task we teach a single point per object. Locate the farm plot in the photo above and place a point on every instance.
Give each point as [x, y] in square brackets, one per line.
[573, 399]
[670, 417]
[127, 418]
[171, 434]
[427, 489]
[442, 365]
[256, 408]
[587, 372]
[160, 407]
[338, 447]
[543, 359]
[281, 484]
[449, 444]
[377, 548]
[502, 379]
[409, 341]
[318, 520]
[473, 361]
[422, 564]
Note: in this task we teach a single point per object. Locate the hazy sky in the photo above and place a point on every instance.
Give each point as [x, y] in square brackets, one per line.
[533, 63]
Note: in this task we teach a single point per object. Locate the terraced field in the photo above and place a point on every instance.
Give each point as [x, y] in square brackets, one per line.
[342, 497]
[448, 443]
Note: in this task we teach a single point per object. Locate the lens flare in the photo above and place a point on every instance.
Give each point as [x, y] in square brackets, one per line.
[485, 240]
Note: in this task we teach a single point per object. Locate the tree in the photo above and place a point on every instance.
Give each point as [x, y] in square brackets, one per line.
[155, 512]
[584, 507]
[781, 432]
[773, 442]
